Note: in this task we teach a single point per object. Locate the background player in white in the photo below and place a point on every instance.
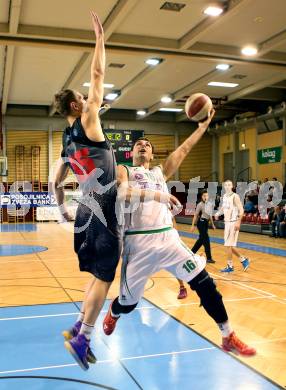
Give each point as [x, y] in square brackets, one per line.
[233, 212]
[151, 243]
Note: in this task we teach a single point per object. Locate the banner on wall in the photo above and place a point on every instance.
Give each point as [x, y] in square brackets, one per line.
[29, 199]
[269, 155]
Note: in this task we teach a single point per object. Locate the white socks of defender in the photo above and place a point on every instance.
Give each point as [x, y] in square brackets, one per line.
[86, 330]
[114, 315]
[225, 329]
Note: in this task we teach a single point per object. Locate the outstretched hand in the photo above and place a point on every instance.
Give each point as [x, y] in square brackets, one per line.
[97, 26]
[204, 125]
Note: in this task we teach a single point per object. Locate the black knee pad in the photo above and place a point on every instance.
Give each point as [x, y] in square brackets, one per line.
[117, 308]
[203, 284]
[128, 309]
[210, 297]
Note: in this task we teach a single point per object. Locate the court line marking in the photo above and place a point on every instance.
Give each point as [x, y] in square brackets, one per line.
[133, 357]
[257, 291]
[110, 360]
[137, 308]
[270, 296]
[40, 316]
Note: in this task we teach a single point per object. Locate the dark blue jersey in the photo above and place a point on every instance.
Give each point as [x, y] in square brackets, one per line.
[93, 163]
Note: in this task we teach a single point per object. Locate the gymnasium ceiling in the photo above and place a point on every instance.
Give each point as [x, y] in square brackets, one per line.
[47, 45]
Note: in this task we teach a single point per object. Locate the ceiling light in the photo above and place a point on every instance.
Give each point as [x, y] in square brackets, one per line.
[141, 112]
[220, 84]
[213, 11]
[169, 109]
[222, 66]
[153, 61]
[249, 50]
[243, 146]
[166, 99]
[112, 96]
[107, 86]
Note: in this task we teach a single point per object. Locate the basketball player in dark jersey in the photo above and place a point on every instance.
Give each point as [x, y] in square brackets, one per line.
[97, 241]
[88, 153]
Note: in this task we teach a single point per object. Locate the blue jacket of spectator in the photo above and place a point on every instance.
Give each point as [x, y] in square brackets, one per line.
[249, 207]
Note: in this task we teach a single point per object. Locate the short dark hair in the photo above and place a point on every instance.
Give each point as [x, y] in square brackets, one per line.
[62, 101]
[203, 192]
[144, 139]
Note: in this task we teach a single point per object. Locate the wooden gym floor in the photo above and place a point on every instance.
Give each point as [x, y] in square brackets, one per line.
[255, 300]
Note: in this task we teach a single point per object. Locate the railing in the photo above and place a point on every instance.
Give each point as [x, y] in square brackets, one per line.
[239, 175]
[210, 176]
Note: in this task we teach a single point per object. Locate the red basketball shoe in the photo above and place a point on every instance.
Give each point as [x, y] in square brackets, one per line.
[233, 344]
[109, 322]
[182, 293]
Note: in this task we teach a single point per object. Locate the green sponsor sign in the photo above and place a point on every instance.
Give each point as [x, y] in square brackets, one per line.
[269, 155]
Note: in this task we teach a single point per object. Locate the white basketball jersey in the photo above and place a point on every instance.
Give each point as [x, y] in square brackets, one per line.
[229, 209]
[149, 215]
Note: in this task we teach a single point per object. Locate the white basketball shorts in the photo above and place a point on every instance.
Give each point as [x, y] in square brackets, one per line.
[230, 235]
[146, 254]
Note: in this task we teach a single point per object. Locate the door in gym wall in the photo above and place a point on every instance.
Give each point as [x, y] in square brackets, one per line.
[243, 173]
[227, 166]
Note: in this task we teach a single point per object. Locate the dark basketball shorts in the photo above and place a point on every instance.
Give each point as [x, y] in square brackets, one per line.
[98, 246]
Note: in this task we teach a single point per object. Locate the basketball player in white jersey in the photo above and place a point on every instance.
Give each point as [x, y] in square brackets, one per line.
[151, 243]
[233, 212]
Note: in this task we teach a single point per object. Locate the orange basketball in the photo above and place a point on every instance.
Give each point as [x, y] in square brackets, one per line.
[198, 107]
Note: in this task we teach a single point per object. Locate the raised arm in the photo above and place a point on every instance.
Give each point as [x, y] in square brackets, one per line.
[90, 117]
[128, 193]
[58, 188]
[176, 158]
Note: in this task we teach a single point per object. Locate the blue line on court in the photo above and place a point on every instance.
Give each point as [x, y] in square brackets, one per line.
[16, 250]
[148, 345]
[16, 227]
[245, 245]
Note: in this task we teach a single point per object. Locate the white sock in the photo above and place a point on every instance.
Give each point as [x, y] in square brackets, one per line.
[225, 329]
[80, 317]
[242, 258]
[114, 315]
[86, 330]
[230, 263]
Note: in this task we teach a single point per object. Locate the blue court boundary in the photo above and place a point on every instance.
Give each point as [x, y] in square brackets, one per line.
[18, 250]
[93, 384]
[17, 227]
[245, 245]
[31, 227]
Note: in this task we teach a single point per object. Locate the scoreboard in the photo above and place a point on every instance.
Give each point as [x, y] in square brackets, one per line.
[122, 142]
